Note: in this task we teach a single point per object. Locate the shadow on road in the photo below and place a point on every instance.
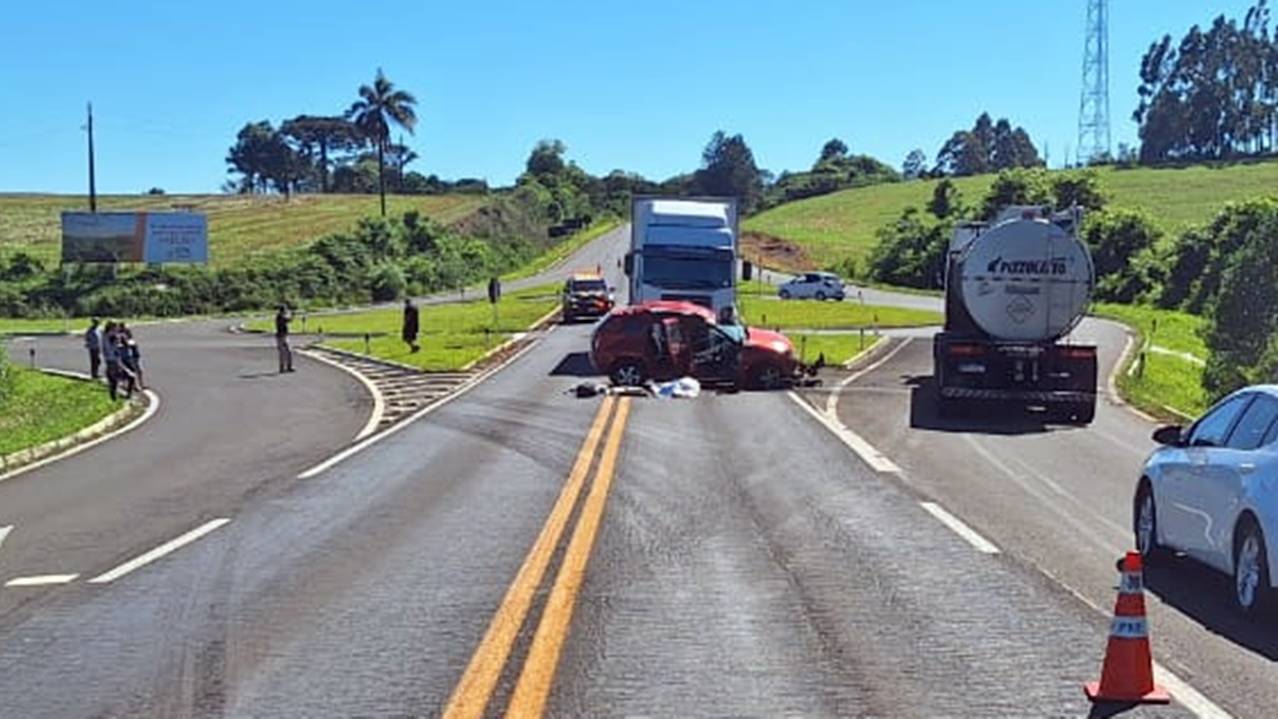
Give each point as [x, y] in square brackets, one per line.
[259, 375]
[979, 418]
[1203, 595]
[575, 364]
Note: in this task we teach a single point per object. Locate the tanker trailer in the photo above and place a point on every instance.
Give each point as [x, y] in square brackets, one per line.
[1014, 290]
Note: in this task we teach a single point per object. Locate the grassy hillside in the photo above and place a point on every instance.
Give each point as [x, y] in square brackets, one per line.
[238, 224]
[833, 227]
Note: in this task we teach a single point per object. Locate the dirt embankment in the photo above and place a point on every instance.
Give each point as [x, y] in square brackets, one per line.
[775, 253]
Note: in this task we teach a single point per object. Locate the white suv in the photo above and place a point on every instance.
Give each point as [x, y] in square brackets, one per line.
[1210, 492]
[813, 285]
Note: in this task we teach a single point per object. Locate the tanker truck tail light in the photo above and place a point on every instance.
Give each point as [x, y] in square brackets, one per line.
[966, 350]
[1079, 353]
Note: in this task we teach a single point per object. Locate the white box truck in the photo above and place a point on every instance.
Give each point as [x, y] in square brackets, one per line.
[684, 249]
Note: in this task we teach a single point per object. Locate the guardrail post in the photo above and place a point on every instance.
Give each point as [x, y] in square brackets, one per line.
[367, 343]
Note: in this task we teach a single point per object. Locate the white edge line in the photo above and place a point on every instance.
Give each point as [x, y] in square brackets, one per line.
[832, 401]
[1188, 697]
[379, 402]
[863, 449]
[981, 544]
[169, 546]
[370, 441]
[41, 580]
[153, 406]
[1112, 381]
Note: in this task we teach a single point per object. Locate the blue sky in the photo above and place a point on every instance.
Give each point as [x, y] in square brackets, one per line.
[635, 85]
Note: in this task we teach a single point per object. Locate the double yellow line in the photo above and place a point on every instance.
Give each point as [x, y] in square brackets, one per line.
[476, 687]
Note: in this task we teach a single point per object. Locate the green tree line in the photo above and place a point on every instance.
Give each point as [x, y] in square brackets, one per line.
[1212, 95]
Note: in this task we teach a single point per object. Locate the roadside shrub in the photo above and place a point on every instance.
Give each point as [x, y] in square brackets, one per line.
[1019, 186]
[1082, 188]
[1122, 243]
[1242, 333]
[1199, 257]
[387, 283]
[911, 251]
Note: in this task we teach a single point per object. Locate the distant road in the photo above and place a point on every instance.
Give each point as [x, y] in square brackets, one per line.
[523, 549]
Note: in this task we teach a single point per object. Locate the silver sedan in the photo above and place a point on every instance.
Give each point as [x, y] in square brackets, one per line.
[1211, 492]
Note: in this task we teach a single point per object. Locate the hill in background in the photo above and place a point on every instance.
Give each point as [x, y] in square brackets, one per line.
[822, 231]
[239, 225]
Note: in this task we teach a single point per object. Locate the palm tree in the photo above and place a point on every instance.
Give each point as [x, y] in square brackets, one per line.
[378, 107]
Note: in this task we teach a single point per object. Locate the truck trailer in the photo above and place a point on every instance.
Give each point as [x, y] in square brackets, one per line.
[1015, 289]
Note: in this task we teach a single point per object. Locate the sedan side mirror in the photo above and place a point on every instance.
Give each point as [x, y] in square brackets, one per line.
[1171, 435]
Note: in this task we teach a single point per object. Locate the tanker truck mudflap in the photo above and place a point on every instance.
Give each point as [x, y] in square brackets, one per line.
[1013, 290]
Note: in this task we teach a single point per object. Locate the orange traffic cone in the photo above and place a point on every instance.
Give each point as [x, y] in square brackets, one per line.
[1128, 672]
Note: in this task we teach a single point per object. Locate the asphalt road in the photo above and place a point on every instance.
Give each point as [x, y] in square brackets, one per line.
[229, 432]
[522, 549]
[1059, 499]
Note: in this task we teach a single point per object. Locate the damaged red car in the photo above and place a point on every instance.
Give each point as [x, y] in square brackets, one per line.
[663, 340]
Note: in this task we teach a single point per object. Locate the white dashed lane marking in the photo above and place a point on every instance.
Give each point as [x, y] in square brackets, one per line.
[169, 546]
[41, 580]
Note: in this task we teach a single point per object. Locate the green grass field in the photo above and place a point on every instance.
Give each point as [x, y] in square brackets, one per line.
[838, 349]
[43, 408]
[1165, 380]
[811, 314]
[453, 335]
[841, 225]
[238, 224]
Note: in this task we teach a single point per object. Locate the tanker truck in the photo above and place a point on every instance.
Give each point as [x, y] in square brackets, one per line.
[1015, 288]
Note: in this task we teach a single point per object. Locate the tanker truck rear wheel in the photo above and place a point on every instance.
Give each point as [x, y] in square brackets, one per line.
[1080, 413]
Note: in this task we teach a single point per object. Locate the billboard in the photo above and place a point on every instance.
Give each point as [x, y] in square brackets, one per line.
[135, 237]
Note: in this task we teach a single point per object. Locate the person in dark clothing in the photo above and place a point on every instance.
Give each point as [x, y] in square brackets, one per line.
[93, 343]
[282, 318]
[131, 355]
[411, 326]
[113, 350]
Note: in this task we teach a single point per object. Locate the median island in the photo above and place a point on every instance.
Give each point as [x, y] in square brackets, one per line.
[37, 408]
[453, 335]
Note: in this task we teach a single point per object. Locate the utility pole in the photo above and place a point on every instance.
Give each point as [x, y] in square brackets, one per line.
[93, 189]
[1093, 103]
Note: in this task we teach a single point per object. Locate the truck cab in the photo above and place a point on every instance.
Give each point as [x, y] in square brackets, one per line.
[684, 250]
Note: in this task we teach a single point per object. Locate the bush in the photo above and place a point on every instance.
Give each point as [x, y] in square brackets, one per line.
[911, 251]
[387, 283]
[1017, 187]
[1242, 333]
[1122, 244]
[1199, 257]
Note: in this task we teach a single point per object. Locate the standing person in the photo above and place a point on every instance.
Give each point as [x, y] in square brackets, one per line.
[131, 356]
[282, 318]
[113, 353]
[93, 343]
[410, 328]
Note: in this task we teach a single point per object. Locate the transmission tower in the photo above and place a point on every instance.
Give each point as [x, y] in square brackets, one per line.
[1093, 105]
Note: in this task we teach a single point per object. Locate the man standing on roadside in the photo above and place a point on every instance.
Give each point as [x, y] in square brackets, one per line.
[93, 343]
[410, 326]
[282, 318]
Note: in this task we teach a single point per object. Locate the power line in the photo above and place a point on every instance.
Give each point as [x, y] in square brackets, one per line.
[1093, 104]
